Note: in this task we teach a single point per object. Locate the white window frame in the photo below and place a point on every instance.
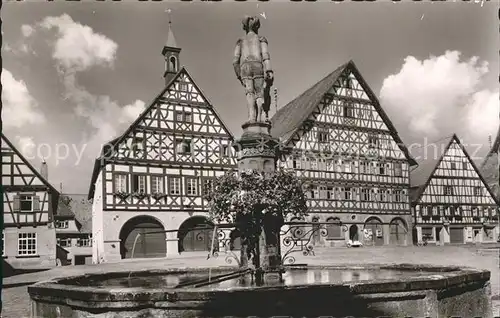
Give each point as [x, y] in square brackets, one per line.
[191, 189]
[66, 240]
[156, 184]
[62, 224]
[3, 243]
[141, 183]
[120, 182]
[24, 198]
[84, 242]
[174, 186]
[29, 240]
[478, 189]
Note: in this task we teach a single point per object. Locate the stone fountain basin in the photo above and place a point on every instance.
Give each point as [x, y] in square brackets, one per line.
[396, 290]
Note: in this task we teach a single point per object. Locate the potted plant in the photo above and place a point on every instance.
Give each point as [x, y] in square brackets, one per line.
[122, 194]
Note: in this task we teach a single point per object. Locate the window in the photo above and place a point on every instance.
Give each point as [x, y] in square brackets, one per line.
[478, 191]
[174, 185]
[26, 244]
[172, 64]
[347, 193]
[297, 163]
[398, 169]
[26, 203]
[398, 196]
[365, 194]
[62, 224]
[181, 116]
[372, 141]
[453, 166]
[330, 193]
[137, 145]
[84, 241]
[448, 190]
[323, 135]
[120, 182]
[464, 165]
[183, 146]
[348, 110]
[156, 184]
[191, 186]
[381, 168]
[347, 166]
[224, 151]
[333, 229]
[3, 245]
[139, 183]
[65, 242]
[208, 185]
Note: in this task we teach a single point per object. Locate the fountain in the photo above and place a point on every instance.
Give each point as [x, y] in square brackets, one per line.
[263, 284]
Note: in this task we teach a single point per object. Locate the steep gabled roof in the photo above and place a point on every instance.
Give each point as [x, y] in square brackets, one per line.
[27, 163]
[111, 147]
[290, 117]
[490, 167]
[77, 207]
[430, 165]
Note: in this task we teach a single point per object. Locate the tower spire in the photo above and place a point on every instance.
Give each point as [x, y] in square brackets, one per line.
[170, 52]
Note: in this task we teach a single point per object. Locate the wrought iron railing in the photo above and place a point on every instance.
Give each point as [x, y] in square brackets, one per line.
[294, 237]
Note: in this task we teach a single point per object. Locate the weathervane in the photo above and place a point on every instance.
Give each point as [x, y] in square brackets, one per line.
[169, 11]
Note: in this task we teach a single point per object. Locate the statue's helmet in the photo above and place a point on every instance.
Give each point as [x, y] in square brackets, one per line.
[251, 23]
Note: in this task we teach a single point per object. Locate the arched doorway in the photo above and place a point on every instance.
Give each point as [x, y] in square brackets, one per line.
[373, 233]
[398, 232]
[195, 234]
[150, 243]
[353, 233]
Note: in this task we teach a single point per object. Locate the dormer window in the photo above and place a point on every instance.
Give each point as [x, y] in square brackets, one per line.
[183, 146]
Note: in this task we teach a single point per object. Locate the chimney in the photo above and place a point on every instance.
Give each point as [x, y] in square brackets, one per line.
[44, 170]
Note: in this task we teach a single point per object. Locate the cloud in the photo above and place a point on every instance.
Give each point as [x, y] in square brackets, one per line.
[27, 30]
[78, 47]
[25, 145]
[19, 107]
[441, 95]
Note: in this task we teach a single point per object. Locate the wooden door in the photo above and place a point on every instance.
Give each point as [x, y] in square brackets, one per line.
[457, 235]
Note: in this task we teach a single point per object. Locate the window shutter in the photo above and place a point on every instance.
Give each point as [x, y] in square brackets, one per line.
[17, 203]
[36, 203]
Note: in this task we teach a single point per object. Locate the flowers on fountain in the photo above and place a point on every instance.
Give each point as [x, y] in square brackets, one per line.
[249, 197]
[122, 194]
[139, 195]
[158, 195]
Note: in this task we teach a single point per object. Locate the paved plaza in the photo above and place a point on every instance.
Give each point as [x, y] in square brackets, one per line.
[16, 300]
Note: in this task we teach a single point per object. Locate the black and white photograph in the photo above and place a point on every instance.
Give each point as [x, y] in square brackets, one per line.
[250, 159]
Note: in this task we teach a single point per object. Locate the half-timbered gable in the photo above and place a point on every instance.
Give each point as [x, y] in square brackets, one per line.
[153, 177]
[490, 167]
[29, 202]
[452, 201]
[346, 148]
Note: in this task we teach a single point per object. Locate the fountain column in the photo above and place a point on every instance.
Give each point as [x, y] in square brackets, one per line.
[258, 151]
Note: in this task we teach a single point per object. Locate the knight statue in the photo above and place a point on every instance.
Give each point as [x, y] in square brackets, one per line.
[252, 66]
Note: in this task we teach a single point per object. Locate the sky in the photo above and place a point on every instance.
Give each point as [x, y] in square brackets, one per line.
[76, 74]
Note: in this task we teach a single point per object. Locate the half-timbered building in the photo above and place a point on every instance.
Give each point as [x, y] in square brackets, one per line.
[451, 201]
[339, 140]
[29, 203]
[147, 185]
[490, 167]
[73, 223]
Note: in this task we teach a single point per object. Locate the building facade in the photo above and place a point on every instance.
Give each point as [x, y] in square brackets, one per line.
[340, 141]
[73, 224]
[29, 203]
[147, 185]
[452, 203]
